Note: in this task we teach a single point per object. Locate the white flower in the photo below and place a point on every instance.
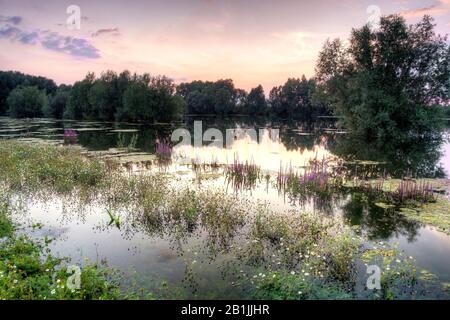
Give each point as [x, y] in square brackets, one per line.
[53, 291]
[306, 274]
[292, 272]
[15, 281]
[299, 292]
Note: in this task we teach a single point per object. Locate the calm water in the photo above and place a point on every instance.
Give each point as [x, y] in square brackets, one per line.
[187, 261]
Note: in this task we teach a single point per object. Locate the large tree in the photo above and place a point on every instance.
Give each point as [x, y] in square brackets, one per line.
[9, 80]
[386, 81]
[26, 102]
[256, 101]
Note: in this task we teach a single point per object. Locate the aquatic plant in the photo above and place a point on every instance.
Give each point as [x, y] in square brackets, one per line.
[242, 175]
[163, 149]
[113, 219]
[198, 166]
[317, 178]
[29, 271]
[32, 167]
[420, 191]
[123, 144]
[70, 135]
[406, 191]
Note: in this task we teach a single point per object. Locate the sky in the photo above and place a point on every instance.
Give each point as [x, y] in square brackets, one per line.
[250, 41]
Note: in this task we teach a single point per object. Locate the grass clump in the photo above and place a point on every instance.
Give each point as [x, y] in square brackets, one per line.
[28, 271]
[6, 226]
[242, 175]
[33, 167]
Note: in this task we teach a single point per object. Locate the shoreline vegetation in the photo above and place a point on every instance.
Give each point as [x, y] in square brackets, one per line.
[290, 255]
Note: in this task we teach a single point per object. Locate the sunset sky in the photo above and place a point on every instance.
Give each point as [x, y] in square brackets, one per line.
[250, 41]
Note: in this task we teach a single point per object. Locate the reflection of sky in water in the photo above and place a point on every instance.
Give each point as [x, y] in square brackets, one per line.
[445, 160]
[268, 153]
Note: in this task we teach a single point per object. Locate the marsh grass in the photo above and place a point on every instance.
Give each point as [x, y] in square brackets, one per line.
[29, 167]
[318, 178]
[242, 175]
[407, 191]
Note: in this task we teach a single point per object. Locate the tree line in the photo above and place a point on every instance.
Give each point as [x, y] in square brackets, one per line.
[382, 81]
[146, 98]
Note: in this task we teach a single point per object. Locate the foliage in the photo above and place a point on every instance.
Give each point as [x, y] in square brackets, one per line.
[295, 100]
[26, 102]
[29, 167]
[29, 271]
[57, 103]
[124, 97]
[387, 82]
[9, 80]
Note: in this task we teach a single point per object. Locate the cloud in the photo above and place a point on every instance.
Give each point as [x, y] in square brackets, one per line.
[9, 31]
[74, 46]
[28, 37]
[437, 9]
[411, 13]
[54, 41]
[15, 20]
[111, 31]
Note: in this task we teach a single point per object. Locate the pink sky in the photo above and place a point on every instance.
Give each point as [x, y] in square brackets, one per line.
[250, 41]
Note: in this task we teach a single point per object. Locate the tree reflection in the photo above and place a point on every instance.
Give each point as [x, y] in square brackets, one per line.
[378, 223]
[414, 157]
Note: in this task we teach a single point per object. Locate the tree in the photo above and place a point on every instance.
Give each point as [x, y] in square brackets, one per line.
[294, 100]
[78, 105]
[387, 81]
[9, 80]
[57, 103]
[26, 102]
[256, 101]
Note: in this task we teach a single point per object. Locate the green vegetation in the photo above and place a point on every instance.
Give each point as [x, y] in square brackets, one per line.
[293, 100]
[26, 102]
[29, 271]
[9, 80]
[32, 167]
[144, 98]
[124, 97]
[387, 82]
[434, 214]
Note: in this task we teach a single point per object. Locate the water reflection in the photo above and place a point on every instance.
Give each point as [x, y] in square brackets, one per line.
[164, 243]
[377, 223]
[416, 157]
[298, 142]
